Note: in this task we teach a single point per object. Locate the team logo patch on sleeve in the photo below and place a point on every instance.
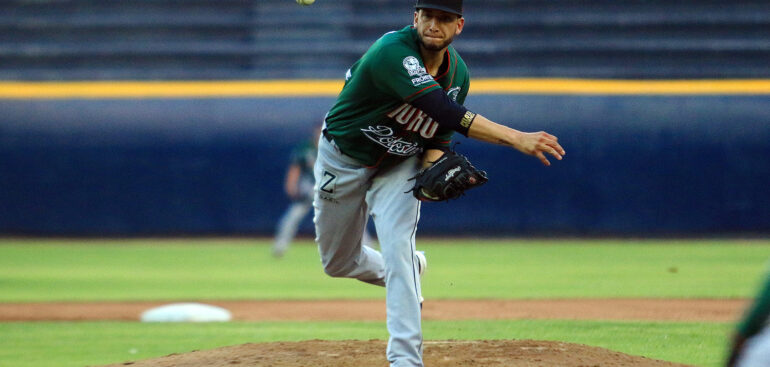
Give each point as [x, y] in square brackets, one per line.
[417, 71]
[412, 66]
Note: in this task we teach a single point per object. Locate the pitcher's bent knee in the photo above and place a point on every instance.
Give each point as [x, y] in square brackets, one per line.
[339, 269]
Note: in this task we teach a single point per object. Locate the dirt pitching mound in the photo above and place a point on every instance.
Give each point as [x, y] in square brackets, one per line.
[449, 353]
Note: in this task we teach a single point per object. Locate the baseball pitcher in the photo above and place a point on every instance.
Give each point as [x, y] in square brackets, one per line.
[400, 105]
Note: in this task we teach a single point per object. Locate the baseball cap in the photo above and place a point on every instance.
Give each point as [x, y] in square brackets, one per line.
[451, 6]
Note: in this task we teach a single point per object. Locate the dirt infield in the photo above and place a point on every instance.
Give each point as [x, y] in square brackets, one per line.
[317, 353]
[577, 309]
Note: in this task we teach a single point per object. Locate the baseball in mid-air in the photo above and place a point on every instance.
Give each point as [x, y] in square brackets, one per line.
[305, 2]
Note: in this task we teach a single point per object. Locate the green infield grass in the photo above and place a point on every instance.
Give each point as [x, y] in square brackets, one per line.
[230, 269]
[71, 270]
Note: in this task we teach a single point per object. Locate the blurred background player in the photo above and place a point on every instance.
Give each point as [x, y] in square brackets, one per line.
[751, 343]
[299, 188]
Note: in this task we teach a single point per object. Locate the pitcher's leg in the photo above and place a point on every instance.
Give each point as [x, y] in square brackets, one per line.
[396, 214]
[340, 215]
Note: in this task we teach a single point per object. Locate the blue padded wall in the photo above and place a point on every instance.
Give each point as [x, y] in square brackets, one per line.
[130, 167]
[635, 165]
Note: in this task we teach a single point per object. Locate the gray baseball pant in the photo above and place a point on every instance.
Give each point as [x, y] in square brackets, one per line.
[345, 192]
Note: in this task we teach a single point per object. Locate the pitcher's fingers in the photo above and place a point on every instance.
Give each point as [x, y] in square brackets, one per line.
[551, 147]
[554, 153]
[542, 158]
[557, 147]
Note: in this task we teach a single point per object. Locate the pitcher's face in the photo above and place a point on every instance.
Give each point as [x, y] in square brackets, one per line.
[437, 28]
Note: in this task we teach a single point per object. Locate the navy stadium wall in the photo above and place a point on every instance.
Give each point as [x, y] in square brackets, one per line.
[635, 165]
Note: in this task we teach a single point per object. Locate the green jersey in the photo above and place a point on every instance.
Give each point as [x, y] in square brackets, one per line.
[373, 120]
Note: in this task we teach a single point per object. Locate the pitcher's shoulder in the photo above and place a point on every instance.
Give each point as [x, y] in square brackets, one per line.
[404, 36]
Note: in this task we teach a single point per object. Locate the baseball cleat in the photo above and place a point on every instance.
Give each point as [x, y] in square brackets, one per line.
[422, 265]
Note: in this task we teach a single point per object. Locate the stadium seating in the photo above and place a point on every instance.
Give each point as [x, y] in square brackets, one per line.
[247, 39]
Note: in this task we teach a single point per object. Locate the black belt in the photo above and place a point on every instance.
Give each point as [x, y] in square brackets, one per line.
[327, 136]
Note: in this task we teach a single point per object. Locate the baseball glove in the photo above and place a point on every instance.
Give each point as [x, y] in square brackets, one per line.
[447, 178]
